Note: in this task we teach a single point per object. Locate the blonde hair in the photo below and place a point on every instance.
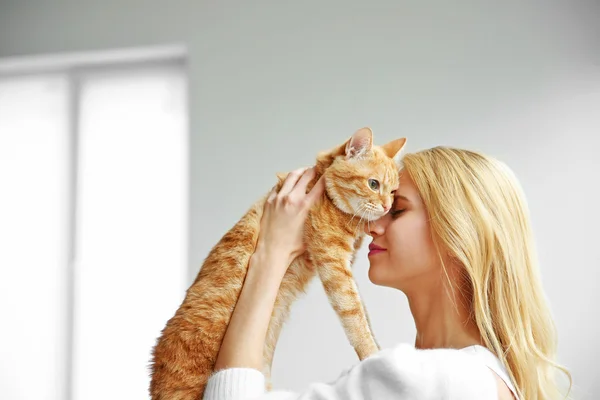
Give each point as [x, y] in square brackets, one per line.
[479, 216]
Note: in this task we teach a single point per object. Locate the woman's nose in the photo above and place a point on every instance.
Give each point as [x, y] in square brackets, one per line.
[375, 228]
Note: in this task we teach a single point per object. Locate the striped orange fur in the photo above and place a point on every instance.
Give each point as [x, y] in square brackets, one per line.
[185, 354]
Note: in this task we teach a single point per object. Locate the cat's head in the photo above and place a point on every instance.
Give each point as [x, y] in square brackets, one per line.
[361, 178]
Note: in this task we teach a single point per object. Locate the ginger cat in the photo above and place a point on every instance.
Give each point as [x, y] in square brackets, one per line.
[360, 181]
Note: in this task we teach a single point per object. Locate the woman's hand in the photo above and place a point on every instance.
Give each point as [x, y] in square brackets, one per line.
[280, 241]
[284, 215]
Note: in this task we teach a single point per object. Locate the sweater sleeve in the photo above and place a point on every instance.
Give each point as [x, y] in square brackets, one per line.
[402, 372]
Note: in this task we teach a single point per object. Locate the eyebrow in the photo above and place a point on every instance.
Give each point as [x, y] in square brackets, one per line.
[399, 196]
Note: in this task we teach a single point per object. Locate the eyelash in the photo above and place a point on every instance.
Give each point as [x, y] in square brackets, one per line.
[395, 213]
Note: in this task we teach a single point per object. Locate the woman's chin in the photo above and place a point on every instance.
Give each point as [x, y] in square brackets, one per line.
[376, 275]
[381, 276]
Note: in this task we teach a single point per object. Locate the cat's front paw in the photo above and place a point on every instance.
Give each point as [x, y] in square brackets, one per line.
[366, 350]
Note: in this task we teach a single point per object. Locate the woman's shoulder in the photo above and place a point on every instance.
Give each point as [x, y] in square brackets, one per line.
[491, 361]
[466, 371]
[423, 373]
[407, 352]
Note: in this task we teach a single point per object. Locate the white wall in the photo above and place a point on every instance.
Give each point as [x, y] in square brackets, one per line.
[272, 83]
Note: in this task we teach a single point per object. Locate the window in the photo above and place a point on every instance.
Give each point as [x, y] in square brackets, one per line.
[94, 210]
[34, 215]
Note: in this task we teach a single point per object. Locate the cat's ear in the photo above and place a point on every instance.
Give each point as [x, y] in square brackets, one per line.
[360, 143]
[395, 150]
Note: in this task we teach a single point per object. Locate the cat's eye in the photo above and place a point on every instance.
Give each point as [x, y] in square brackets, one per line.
[374, 184]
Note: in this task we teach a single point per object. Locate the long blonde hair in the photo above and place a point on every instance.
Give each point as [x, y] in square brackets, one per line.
[479, 217]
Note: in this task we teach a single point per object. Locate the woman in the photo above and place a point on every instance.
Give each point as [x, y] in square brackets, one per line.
[458, 243]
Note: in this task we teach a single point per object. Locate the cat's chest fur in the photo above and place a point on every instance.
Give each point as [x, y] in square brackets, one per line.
[330, 229]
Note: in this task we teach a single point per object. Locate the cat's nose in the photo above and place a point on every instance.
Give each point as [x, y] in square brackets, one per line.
[386, 208]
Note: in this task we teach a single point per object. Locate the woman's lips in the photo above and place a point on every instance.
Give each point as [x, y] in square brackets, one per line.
[375, 249]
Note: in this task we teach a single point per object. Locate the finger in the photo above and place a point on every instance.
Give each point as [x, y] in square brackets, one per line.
[316, 192]
[272, 194]
[305, 179]
[290, 182]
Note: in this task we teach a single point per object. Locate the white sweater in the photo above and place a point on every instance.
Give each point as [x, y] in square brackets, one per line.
[402, 372]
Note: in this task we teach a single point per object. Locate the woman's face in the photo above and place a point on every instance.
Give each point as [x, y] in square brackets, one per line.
[408, 259]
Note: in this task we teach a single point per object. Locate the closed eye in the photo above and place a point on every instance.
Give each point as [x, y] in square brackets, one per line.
[397, 212]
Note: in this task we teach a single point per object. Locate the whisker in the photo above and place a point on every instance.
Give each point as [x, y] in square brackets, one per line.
[361, 206]
[372, 209]
[354, 214]
[361, 219]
